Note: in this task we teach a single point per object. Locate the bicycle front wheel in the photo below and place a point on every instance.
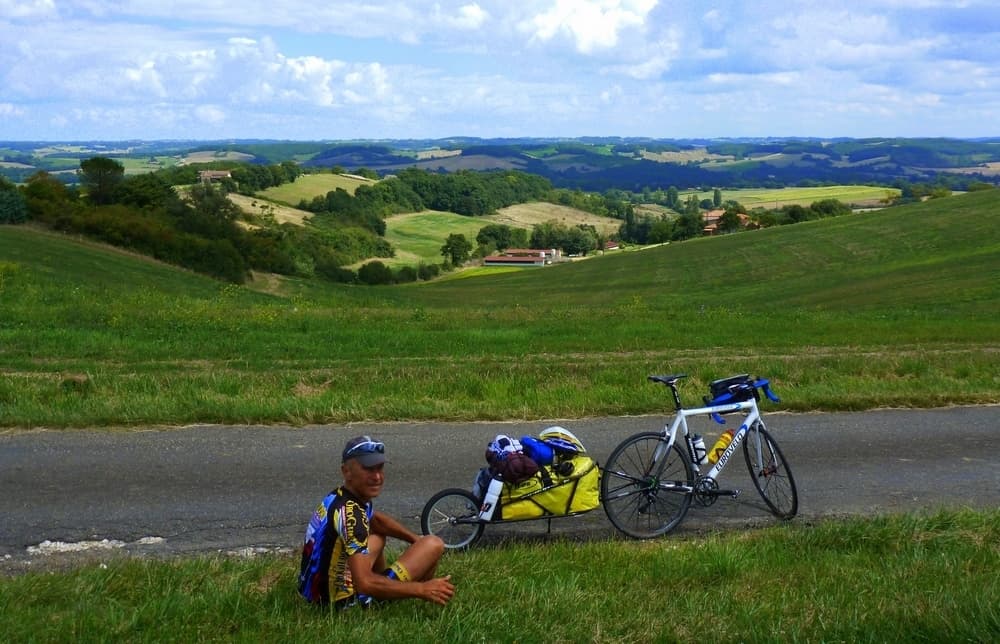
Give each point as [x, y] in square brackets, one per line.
[770, 472]
[645, 488]
[453, 515]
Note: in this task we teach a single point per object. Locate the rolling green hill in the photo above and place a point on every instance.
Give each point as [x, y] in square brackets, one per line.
[899, 307]
[938, 254]
[419, 236]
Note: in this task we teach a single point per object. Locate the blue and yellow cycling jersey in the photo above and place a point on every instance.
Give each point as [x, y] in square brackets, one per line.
[339, 528]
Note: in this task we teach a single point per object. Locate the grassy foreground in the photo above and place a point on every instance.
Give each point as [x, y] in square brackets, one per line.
[895, 308]
[930, 578]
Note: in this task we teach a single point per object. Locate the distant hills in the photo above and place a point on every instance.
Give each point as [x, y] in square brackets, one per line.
[588, 163]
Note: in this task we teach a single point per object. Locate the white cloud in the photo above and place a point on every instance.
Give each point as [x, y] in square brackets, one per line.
[197, 68]
[590, 24]
[27, 9]
[145, 80]
[649, 61]
[467, 17]
[210, 114]
[9, 110]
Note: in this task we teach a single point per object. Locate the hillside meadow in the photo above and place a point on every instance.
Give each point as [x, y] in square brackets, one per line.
[855, 196]
[898, 307]
[309, 186]
[418, 237]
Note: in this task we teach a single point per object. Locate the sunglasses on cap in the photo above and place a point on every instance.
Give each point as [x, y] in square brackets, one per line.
[367, 447]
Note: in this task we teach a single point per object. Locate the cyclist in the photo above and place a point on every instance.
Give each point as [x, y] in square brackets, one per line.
[346, 536]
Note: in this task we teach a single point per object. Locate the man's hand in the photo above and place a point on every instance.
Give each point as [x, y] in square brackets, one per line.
[439, 590]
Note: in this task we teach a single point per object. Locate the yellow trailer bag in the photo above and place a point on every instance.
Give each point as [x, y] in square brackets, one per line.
[549, 493]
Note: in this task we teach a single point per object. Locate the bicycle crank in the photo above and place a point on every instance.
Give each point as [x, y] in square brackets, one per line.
[707, 492]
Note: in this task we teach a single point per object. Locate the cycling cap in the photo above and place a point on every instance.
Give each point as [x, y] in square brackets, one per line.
[368, 451]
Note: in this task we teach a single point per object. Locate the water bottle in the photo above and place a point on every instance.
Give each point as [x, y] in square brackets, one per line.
[490, 502]
[721, 445]
[700, 453]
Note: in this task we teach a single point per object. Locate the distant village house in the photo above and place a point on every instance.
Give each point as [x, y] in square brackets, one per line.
[208, 176]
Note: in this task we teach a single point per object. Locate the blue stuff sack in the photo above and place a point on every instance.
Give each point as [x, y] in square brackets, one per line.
[537, 450]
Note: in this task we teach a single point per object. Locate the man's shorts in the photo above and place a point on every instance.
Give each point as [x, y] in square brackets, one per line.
[396, 571]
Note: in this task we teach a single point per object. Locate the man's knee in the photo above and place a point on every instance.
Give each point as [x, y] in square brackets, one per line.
[433, 544]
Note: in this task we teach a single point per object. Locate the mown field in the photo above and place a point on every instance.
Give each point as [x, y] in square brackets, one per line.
[264, 208]
[308, 186]
[898, 307]
[776, 198]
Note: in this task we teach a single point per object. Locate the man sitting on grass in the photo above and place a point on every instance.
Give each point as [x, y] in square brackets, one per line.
[348, 536]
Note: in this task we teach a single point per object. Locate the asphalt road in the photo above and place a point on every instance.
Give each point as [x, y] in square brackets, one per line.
[199, 489]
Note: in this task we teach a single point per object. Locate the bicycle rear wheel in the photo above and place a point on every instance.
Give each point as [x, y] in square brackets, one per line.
[770, 472]
[453, 515]
[645, 489]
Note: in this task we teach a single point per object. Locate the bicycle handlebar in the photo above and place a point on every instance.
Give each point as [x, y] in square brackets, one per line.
[760, 383]
[764, 385]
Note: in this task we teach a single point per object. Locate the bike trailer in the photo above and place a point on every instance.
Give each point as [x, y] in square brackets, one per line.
[569, 485]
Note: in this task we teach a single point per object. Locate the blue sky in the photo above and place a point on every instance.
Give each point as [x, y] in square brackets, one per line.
[382, 69]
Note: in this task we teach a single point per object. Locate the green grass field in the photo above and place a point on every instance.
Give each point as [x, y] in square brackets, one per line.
[897, 579]
[418, 237]
[776, 198]
[898, 307]
[308, 186]
[144, 165]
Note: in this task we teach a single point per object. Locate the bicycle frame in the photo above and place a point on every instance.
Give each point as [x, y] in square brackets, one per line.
[680, 423]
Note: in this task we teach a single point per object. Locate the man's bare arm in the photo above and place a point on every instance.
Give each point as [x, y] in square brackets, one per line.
[438, 590]
[385, 525]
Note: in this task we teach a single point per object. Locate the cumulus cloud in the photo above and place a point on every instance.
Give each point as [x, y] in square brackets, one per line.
[467, 17]
[482, 67]
[210, 114]
[590, 25]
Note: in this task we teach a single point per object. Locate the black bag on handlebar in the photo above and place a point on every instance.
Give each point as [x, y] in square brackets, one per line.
[731, 390]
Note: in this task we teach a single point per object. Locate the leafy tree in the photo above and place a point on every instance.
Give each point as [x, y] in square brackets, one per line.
[375, 273]
[673, 198]
[13, 207]
[213, 216]
[578, 241]
[367, 173]
[547, 234]
[428, 271]
[830, 208]
[795, 213]
[456, 249]
[717, 198]
[691, 223]
[729, 222]
[502, 237]
[101, 175]
[660, 231]
[145, 191]
[406, 274]
[47, 198]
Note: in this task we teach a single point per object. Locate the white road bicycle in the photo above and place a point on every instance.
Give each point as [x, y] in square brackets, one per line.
[651, 478]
